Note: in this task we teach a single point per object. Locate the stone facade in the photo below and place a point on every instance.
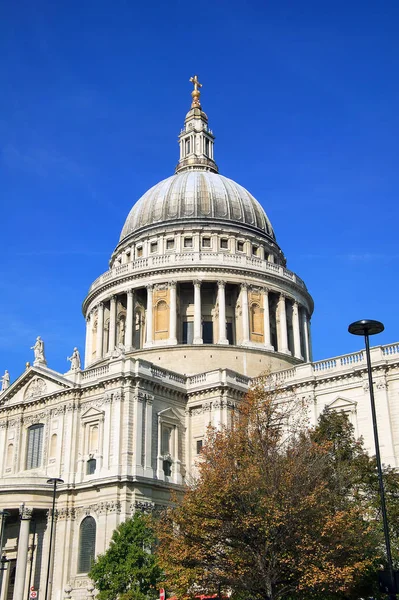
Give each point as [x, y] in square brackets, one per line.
[197, 301]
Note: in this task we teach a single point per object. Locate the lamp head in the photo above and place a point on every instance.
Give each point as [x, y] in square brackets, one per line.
[365, 327]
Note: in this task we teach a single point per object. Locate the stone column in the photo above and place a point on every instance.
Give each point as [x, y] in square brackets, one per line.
[172, 313]
[88, 345]
[22, 555]
[197, 313]
[296, 330]
[305, 331]
[266, 320]
[100, 331]
[282, 326]
[222, 313]
[112, 324]
[245, 313]
[5, 581]
[148, 470]
[129, 320]
[149, 319]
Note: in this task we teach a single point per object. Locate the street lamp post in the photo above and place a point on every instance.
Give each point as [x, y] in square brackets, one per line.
[367, 327]
[54, 481]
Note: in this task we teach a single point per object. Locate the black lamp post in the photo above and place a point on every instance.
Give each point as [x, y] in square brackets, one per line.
[54, 481]
[367, 327]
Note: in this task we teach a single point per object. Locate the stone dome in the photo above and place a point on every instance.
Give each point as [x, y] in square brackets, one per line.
[201, 195]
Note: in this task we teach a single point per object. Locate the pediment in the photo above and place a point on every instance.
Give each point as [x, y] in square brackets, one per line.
[169, 414]
[341, 403]
[92, 413]
[34, 383]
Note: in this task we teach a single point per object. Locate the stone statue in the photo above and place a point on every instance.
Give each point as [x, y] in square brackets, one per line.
[5, 381]
[38, 350]
[121, 336]
[75, 360]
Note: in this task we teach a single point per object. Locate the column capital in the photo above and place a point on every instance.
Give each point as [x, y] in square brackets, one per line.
[282, 297]
[100, 305]
[221, 283]
[113, 298]
[265, 289]
[150, 287]
[197, 282]
[25, 513]
[172, 284]
[244, 286]
[129, 292]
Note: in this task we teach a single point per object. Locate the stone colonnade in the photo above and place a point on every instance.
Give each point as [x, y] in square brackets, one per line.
[148, 316]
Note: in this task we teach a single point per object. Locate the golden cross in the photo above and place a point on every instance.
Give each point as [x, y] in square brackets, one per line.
[195, 82]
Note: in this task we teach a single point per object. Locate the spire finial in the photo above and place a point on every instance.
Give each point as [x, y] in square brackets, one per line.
[195, 93]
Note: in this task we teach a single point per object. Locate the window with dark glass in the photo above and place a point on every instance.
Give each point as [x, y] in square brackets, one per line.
[188, 242]
[224, 243]
[206, 146]
[207, 332]
[199, 446]
[187, 146]
[35, 446]
[206, 242]
[240, 246]
[87, 544]
[154, 246]
[188, 332]
[229, 332]
[255, 250]
[91, 466]
[170, 244]
[139, 251]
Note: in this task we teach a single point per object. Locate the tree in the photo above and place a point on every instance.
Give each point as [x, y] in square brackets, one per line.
[129, 570]
[263, 519]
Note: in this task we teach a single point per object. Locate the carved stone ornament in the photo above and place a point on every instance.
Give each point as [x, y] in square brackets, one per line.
[37, 387]
[25, 513]
[142, 506]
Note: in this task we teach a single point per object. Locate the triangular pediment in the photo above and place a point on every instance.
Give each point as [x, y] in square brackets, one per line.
[341, 403]
[92, 413]
[35, 382]
[169, 414]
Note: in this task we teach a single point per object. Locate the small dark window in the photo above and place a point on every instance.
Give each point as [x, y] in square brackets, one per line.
[87, 544]
[167, 468]
[240, 246]
[188, 242]
[229, 332]
[206, 146]
[199, 446]
[255, 250]
[91, 466]
[170, 244]
[207, 332]
[139, 251]
[187, 146]
[154, 246]
[224, 243]
[188, 332]
[206, 242]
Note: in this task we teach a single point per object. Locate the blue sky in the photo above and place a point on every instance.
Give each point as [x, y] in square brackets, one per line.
[303, 99]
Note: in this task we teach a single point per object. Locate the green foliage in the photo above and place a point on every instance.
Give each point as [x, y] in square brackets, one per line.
[129, 570]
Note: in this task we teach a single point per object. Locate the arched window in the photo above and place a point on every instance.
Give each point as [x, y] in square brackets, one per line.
[93, 439]
[35, 446]
[53, 445]
[161, 320]
[10, 456]
[87, 544]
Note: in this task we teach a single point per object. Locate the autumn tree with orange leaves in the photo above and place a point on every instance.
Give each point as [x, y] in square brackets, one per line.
[263, 519]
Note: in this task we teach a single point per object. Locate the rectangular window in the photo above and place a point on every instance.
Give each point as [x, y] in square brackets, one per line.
[139, 251]
[255, 250]
[187, 147]
[170, 244]
[188, 242]
[35, 446]
[165, 441]
[224, 243]
[206, 242]
[188, 332]
[206, 146]
[199, 446]
[207, 332]
[229, 332]
[91, 466]
[154, 246]
[240, 246]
